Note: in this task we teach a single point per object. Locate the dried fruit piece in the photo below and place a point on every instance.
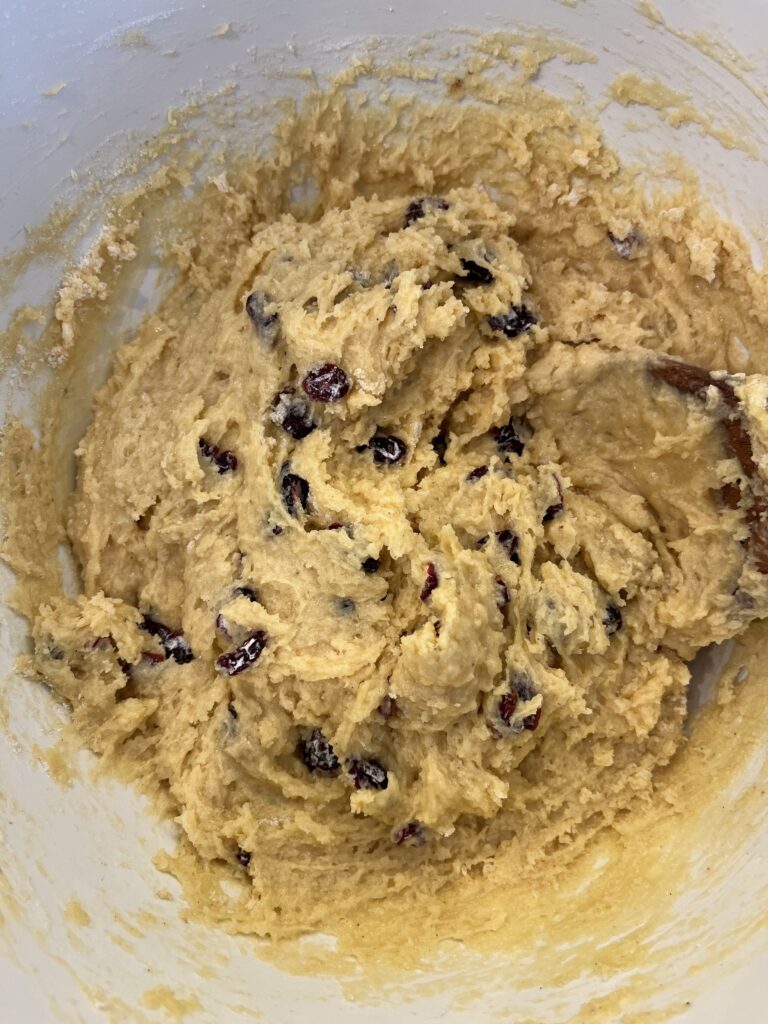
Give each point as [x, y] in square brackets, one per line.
[510, 438]
[531, 722]
[612, 620]
[387, 449]
[267, 324]
[367, 774]
[232, 711]
[730, 495]
[557, 506]
[234, 662]
[371, 565]
[431, 582]
[326, 383]
[477, 474]
[292, 414]
[295, 491]
[691, 380]
[440, 445]
[317, 754]
[507, 706]
[502, 592]
[224, 461]
[174, 643]
[388, 708]
[243, 857]
[248, 592]
[475, 273]
[509, 541]
[757, 519]
[517, 321]
[419, 207]
[412, 834]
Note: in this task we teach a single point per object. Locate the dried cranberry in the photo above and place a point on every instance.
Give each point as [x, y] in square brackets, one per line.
[224, 461]
[267, 324]
[531, 722]
[477, 474]
[292, 414]
[152, 657]
[476, 273]
[419, 207]
[327, 383]
[502, 592]
[387, 449]
[509, 542]
[295, 491]
[556, 507]
[317, 754]
[412, 834]
[508, 438]
[243, 857]
[174, 642]
[388, 708]
[234, 662]
[371, 565]
[517, 321]
[508, 706]
[367, 774]
[612, 619]
[431, 582]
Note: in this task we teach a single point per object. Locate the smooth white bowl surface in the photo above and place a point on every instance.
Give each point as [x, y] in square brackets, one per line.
[94, 842]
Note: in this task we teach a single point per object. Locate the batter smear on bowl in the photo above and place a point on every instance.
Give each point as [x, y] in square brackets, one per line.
[396, 550]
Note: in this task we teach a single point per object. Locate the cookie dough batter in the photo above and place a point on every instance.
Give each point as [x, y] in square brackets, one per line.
[389, 572]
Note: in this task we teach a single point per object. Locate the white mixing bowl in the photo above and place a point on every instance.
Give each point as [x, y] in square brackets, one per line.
[121, 65]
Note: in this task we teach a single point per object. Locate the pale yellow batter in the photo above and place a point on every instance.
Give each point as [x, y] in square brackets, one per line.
[399, 524]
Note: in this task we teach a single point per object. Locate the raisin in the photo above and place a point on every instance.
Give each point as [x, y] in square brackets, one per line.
[509, 541]
[508, 706]
[267, 324]
[174, 642]
[440, 445]
[371, 565]
[612, 619]
[554, 510]
[232, 711]
[388, 708]
[412, 834]
[295, 491]
[509, 438]
[152, 657]
[234, 662]
[502, 592]
[317, 754]
[292, 414]
[431, 581]
[517, 321]
[740, 444]
[481, 542]
[419, 207]
[367, 774]
[476, 273]
[248, 592]
[224, 461]
[757, 519]
[477, 474]
[326, 383]
[387, 449]
[243, 857]
[626, 248]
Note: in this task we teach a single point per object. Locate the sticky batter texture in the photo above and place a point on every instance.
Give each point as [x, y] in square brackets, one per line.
[400, 523]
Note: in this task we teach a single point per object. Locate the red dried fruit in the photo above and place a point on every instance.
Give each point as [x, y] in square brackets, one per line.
[740, 444]
[507, 706]
[531, 722]
[388, 708]
[509, 541]
[517, 321]
[367, 774]
[691, 380]
[248, 592]
[174, 642]
[612, 619]
[267, 324]
[475, 273]
[243, 857]
[224, 461]
[431, 582]
[292, 414]
[234, 662]
[387, 449]
[295, 491]
[477, 474]
[419, 207]
[370, 565]
[317, 754]
[556, 507]
[412, 834]
[326, 383]
[510, 438]
[730, 495]
[440, 445]
[152, 657]
[757, 519]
